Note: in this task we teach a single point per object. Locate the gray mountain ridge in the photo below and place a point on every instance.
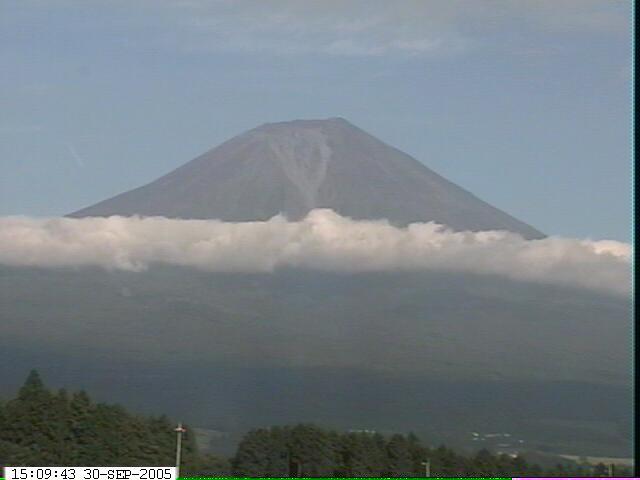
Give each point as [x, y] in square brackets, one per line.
[293, 167]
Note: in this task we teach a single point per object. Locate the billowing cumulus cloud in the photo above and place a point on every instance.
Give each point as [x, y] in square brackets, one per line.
[321, 241]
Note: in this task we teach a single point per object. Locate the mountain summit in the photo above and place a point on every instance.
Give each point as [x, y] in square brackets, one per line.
[294, 167]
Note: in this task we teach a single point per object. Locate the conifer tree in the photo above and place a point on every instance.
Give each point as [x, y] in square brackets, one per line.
[313, 449]
[30, 422]
[252, 456]
[400, 463]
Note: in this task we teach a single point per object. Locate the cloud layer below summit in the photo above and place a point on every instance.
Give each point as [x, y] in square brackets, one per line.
[321, 241]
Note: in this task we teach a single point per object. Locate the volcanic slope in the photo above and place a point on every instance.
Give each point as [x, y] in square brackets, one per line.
[293, 167]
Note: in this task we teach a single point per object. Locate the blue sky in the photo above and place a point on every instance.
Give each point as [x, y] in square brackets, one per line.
[524, 103]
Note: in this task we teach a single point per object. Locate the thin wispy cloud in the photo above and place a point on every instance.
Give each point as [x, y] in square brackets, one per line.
[74, 154]
[343, 27]
[322, 241]
[375, 28]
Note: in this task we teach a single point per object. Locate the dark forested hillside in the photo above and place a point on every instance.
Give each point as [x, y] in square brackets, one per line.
[439, 354]
[43, 428]
[309, 451]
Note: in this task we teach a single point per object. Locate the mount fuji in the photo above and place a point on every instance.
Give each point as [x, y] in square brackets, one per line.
[293, 167]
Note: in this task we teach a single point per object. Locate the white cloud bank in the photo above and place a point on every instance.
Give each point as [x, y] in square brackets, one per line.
[322, 241]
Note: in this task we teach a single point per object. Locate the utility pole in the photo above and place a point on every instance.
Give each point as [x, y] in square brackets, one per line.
[427, 468]
[295, 467]
[179, 431]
